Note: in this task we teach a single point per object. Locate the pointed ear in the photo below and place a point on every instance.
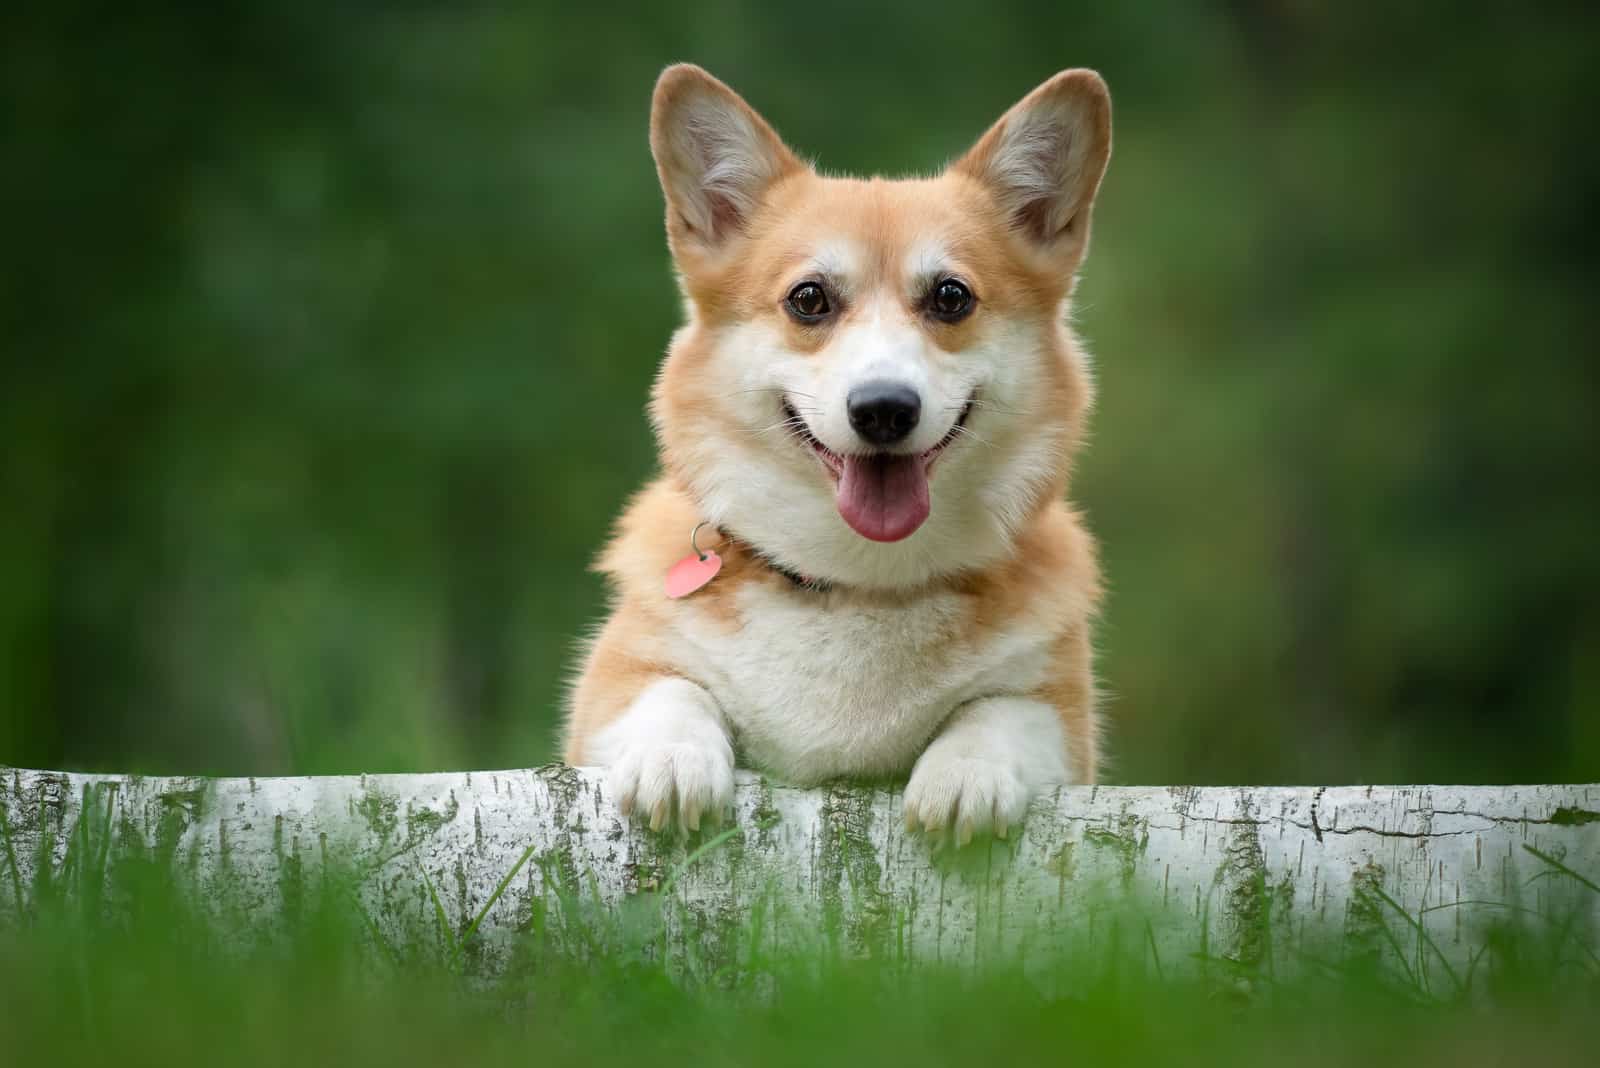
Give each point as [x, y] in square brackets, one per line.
[1044, 159]
[715, 155]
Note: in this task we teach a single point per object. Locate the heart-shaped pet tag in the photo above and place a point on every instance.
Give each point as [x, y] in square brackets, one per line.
[691, 573]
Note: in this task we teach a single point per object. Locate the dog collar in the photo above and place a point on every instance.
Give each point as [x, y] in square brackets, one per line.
[702, 565]
[796, 579]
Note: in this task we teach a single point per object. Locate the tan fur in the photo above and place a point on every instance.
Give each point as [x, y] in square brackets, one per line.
[1018, 601]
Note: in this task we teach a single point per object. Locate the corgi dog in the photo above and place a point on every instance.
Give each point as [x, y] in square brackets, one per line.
[858, 560]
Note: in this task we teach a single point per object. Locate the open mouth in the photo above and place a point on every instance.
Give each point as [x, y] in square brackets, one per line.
[835, 462]
[882, 495]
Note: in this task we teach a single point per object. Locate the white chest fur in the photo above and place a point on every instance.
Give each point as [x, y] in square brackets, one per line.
[816, 684]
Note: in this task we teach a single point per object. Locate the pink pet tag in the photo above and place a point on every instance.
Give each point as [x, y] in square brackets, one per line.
[694, 570]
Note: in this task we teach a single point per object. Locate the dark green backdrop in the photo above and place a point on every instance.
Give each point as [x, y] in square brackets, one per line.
[327, 329]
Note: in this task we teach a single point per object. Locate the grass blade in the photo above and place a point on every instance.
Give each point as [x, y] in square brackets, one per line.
[1422, 935]
[11, 859]
[689, 861]
[1560, 867]
[444, 921]
[500, 888]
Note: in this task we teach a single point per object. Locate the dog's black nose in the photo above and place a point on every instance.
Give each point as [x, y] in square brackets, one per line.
[884, 412]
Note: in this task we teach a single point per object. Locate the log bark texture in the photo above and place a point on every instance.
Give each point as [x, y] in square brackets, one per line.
[1184, 878]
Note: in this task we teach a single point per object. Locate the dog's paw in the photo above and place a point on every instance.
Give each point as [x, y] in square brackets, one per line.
[964, 795]
[673, 781]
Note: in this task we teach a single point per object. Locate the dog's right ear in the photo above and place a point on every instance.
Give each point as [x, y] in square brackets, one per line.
[715, 155]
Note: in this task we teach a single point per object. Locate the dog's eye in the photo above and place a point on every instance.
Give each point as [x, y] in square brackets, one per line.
[807, 301]
[950, 300]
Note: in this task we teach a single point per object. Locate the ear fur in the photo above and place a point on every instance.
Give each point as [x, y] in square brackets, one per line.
[715, 155]
[1044, 159]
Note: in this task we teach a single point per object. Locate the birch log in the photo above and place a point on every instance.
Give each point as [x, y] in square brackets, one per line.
[1247, 879]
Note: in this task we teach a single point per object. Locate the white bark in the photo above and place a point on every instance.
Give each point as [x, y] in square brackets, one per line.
[1259, 879]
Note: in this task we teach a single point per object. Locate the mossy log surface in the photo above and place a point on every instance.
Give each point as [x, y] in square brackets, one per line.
[1244, 878]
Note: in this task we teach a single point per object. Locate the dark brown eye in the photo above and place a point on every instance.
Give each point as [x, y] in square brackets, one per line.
[950, 300]
[808, 302]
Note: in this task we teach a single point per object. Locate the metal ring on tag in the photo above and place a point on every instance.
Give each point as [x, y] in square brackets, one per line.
[693, 543]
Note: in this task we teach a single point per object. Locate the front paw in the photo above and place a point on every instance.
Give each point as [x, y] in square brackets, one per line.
[660, 781]
[964, 795]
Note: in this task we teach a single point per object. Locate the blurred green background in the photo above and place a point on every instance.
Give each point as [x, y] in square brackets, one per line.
[327, 331]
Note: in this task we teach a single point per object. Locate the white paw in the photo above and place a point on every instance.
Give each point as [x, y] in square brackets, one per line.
[680, 781]
[964, 795]
[668, 757]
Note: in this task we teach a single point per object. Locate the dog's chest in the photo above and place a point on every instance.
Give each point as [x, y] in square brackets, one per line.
[815, 685]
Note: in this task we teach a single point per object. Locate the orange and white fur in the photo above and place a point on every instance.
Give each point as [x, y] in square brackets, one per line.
[876, 389]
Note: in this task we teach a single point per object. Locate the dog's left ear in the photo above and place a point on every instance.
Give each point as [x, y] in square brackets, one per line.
[1044, 159]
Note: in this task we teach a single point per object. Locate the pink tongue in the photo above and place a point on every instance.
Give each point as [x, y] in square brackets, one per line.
[884, 498]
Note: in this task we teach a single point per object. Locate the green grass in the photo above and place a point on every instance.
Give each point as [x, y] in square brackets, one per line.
[162, 993]
[140, 976]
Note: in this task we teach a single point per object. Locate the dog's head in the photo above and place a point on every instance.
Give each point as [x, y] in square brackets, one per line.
[876, 383]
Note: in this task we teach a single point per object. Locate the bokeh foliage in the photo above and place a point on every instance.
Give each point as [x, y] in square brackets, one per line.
[327, 331]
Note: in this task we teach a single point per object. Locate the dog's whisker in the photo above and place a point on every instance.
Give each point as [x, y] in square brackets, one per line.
[966, 432]
[793, 427]
[770, 389]
[977, 404]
